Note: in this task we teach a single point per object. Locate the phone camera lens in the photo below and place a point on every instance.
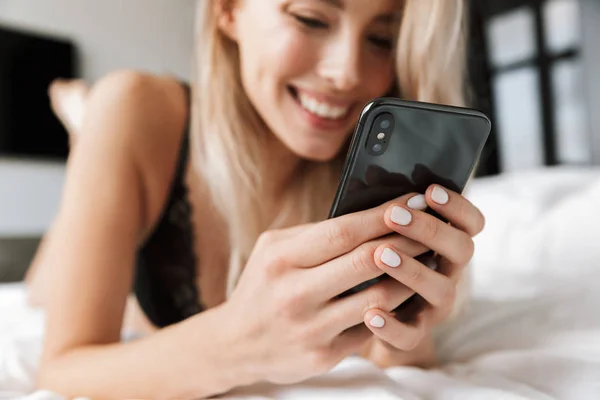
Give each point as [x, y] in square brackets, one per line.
[380, 134]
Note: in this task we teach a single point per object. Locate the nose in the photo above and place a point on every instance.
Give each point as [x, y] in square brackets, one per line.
[340, 63]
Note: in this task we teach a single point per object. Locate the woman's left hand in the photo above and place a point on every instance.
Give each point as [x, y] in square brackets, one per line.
[400, 343]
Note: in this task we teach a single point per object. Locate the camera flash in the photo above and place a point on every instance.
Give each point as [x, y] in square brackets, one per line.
[381, 136]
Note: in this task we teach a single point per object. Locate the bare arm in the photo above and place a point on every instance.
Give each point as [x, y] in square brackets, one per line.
[117, 179]
[68, 100]
[170, 364]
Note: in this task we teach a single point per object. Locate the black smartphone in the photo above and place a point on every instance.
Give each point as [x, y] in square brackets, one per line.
[400, 147]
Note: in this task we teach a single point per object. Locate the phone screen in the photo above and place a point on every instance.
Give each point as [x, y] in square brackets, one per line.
[401, 147]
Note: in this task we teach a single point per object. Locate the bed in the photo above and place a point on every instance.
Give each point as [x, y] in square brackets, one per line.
[531, 331]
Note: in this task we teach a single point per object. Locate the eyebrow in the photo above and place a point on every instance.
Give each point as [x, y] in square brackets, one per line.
[385, 18]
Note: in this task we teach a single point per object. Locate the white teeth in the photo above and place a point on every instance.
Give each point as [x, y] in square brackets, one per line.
[323, 110]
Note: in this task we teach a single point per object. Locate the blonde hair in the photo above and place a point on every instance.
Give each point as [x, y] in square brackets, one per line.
[227, 134]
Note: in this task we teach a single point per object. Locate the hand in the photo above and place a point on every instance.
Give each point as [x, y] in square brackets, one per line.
[397, 341]
[284, 321]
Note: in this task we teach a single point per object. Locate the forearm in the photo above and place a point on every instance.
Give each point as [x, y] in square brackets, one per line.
[186, 360]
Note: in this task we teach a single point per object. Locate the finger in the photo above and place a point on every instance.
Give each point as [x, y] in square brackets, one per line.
[283, 234]
[276, 237]
[459, 211]
[402, 336]
[446, 240]
[349, 311]
[407, 245]
[337, 236]
[434, 287]
[351, 341]
[356, 267]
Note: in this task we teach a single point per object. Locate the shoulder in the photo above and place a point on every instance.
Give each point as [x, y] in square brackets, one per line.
[144, 116]
[138, 98]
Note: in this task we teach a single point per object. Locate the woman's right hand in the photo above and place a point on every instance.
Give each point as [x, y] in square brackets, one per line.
[285, 324]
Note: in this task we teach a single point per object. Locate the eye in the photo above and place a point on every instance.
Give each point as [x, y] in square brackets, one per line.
[381, 42]
[311, 22]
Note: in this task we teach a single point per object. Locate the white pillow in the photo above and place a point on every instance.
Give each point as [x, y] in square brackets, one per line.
[542, 231]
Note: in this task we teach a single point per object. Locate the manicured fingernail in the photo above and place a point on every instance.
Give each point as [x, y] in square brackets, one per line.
[390, 258]
[439, 195]
[377, 322]
[401, 216]
[417, 202]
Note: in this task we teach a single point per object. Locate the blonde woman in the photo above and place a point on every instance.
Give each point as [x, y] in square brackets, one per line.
[212, 203]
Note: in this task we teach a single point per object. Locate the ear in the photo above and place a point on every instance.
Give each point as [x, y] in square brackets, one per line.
[227, 18]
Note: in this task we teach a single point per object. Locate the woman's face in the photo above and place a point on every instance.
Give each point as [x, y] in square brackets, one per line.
[309, 66]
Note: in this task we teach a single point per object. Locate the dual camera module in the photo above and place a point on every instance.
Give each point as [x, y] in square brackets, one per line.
[380, 134]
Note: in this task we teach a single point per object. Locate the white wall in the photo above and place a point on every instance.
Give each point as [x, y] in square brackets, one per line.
[29, 196]
[153, 35]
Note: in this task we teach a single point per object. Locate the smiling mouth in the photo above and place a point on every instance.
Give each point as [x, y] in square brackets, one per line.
[319, 108]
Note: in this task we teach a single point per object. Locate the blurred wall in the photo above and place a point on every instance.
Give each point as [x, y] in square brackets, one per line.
[155, 35]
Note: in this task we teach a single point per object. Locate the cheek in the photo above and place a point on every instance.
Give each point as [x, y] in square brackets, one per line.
[293, 55]
[271, 56]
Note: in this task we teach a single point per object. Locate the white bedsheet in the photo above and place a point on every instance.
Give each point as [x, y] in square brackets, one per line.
[531, 332]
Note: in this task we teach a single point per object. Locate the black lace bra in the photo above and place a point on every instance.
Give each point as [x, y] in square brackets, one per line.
[165, 273]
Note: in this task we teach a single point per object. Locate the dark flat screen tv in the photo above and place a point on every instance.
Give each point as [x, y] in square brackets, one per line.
[29, 62]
